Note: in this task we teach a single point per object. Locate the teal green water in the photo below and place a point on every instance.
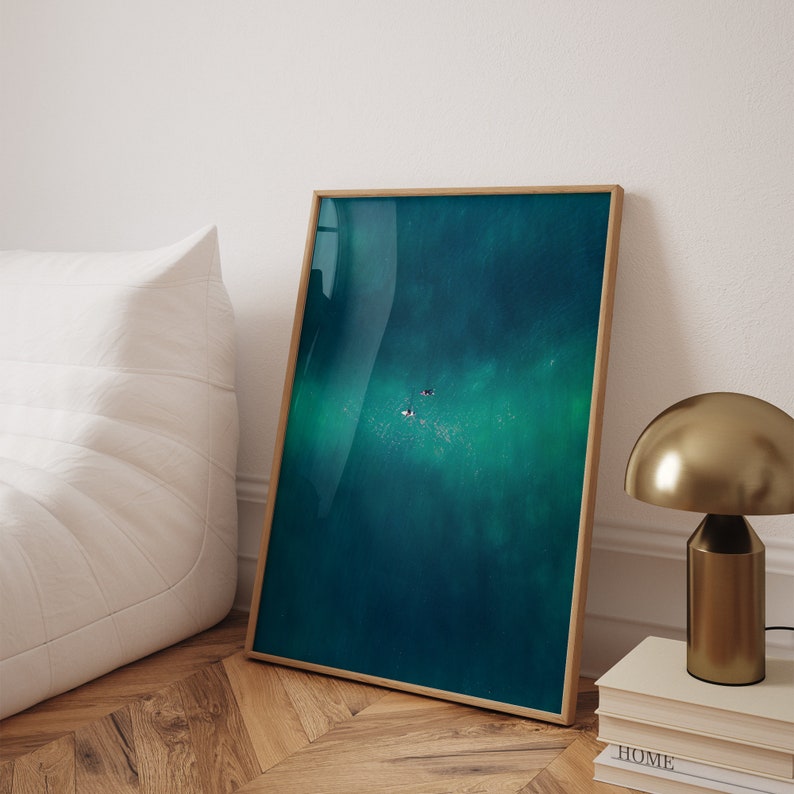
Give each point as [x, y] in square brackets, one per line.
[431, 537]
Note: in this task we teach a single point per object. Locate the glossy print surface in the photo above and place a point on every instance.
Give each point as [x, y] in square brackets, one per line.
[427, 519]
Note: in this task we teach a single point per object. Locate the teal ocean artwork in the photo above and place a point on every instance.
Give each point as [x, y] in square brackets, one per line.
[428, 499]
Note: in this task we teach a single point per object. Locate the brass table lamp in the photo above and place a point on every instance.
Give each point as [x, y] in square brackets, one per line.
[727, 455]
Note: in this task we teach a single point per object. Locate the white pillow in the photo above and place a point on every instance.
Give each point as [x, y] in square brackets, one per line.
[118, 445]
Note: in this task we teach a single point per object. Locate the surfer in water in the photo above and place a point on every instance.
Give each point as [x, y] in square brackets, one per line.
[425, 393]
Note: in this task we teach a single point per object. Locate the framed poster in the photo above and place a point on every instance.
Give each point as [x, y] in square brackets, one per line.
[432, 491]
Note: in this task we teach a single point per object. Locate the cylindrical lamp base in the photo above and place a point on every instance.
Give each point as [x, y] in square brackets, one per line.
[726, 602]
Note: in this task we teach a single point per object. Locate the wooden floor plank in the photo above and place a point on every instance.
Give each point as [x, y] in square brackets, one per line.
[407, 743]
[321, 701]
[572, 771]
[23, 732]
[50, 768]
[105, 758]
[487, 783]
[222, 746]
[272, 723]
[202, 718]
[6, 777]
[163, 745]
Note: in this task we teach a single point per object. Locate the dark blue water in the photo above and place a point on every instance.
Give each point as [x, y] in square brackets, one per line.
[428, 502]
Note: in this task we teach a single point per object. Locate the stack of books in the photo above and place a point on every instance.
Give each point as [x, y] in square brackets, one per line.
[669, 733]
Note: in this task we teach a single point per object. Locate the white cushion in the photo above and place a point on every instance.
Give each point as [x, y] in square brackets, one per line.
[118, 446]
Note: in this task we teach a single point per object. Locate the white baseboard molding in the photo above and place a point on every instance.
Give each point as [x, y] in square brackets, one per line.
[636, 588]
[246, 573]
[252, 488]
[608, 638]
[615, 535]
[610, 534]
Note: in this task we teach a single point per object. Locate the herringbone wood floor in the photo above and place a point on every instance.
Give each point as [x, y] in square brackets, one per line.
[201, 718]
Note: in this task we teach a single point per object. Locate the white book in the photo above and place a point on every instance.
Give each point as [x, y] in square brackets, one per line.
[715, 750]
[651, 684]
[639, 781]
[683, 770]
[643, 780]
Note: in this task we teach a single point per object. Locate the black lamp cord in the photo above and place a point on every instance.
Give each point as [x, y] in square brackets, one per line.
[780, 628]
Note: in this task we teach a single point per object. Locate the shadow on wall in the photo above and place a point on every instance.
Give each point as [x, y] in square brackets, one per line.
[649, 369]
[649, 355]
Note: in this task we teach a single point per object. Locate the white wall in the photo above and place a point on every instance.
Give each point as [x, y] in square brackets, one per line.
[132, 124]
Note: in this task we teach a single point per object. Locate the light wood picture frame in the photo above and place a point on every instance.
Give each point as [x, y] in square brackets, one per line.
[432, 492]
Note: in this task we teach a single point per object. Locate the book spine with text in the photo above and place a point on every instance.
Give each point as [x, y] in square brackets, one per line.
[645, 780]
[694, 772]
[701, 748]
